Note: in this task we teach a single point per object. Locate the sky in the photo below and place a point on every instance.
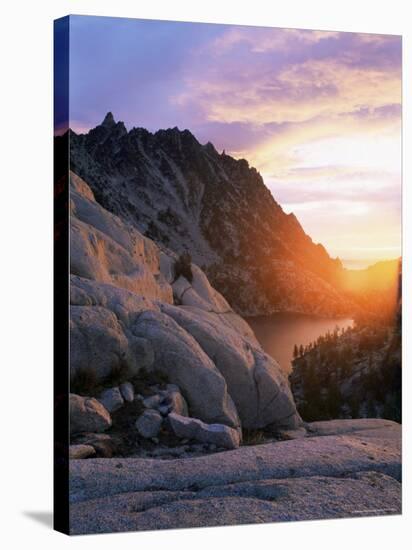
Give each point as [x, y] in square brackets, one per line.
[318, 113]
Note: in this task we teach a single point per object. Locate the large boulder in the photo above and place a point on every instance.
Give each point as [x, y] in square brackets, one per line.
[100, 341]
[100, 344]
[126, 305]
[179, 356]
[193, 428]
[200, 294]
[106, 249]
[255, 382]
[87, 415]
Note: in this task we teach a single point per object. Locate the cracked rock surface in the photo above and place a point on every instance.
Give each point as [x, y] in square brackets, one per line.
[353, 473]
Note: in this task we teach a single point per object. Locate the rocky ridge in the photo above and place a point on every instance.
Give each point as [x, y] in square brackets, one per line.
[187, 196]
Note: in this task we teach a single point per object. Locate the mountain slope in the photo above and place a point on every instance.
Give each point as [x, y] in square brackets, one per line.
[188, 197]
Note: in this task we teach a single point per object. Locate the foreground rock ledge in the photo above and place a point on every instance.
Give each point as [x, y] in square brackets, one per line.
[354, 473]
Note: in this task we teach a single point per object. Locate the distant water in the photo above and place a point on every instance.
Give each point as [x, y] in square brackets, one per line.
[357, 264]
[278, 333]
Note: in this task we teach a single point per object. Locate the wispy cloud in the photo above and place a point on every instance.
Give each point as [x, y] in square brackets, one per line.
[317, 112]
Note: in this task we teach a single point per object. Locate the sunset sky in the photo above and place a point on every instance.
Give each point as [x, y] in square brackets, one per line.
[317, 113]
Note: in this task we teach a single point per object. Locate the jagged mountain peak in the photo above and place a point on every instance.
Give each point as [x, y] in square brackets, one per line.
[108, 120]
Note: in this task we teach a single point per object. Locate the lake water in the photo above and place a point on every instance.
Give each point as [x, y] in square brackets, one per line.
[278, 333]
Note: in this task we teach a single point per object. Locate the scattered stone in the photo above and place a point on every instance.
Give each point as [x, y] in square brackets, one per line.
[88, 415]
[193, 428]
[112, 399]
[127, 391]
[149, 423]
[81, 451]
[152, 402]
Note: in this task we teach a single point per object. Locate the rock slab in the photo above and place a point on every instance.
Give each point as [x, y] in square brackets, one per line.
[355, 472]
[266, 501]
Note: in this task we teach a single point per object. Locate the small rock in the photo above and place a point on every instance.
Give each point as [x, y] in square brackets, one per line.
[149, 423]
[152, 402]
[112, 399]
[103, 444]
[193, 428]
[164, 410]
[81, 451]
[88, 415]
[92, 438]
[177, 402]
[127, 391]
